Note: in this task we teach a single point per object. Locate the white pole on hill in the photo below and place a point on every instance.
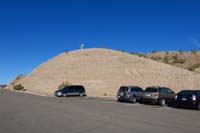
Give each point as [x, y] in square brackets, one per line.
[81, 47]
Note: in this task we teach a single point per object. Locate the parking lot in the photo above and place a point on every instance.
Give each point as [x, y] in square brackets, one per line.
[26, 113]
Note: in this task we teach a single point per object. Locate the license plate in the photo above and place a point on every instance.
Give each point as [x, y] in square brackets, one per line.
[184, 99]
[148, 95]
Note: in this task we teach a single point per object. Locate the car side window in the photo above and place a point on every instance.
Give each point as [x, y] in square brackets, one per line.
[70, 89]
[140, 89]
[164, 90]
[133, 89]
[75, 89]
[170, 91]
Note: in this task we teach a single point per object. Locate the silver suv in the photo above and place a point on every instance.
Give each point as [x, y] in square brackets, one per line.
[129, 94]
[159, 95]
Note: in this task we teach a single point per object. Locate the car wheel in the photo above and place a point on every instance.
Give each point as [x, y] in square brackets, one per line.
[162, 102]
[133, 100]
[118, 100]
[198, 106]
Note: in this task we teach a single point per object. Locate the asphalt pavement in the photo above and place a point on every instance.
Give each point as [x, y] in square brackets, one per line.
[26, 113]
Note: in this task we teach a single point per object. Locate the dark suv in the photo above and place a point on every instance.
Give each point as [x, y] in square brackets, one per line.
[188, 98]
[129, 94]
[72, 90]
[159, 95]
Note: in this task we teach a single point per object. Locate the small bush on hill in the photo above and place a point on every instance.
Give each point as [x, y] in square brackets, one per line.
[194, 52]
[180, 51]
[193, 67]
[154, 51]
[141, 55]
[64, 84]
[121, 50]
[166, 59]
[167, 52]
[19, 87]
[180, 61]
[66, 52]
[156, 58]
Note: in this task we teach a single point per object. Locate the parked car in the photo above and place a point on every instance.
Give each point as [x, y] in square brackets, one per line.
[72, 90]
[188, 98]
[158, 95]
[129, 94]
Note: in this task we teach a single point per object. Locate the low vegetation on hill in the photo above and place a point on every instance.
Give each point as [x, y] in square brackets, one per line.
[189, 60]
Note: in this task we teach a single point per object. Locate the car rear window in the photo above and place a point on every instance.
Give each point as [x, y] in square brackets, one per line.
[151, 90]
[188, 92]
[123, 89]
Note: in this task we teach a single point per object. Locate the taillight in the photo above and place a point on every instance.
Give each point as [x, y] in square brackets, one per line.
[176, 97]
[129, 93]
[155, 94]
[194, 98]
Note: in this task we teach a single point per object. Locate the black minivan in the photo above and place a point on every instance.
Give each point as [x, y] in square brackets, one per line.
[188, 98]
[72, 90]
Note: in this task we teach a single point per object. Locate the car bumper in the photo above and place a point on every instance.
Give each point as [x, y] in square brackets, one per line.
[122, 98]
[150, 100]
[187, 104]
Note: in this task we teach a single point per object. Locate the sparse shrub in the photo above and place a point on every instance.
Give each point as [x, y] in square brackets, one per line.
[142, 55]
[121, 50]
[66, 52]
[19, 87]
[193, 67]
[133, 53]
[156, 58]
[64, 84]
[180, 61]
[166, 59]
[105, 94]
[19, 76]
[154, 51]
[166, 52]
[174, 59]
[180, 51]
[194, 52]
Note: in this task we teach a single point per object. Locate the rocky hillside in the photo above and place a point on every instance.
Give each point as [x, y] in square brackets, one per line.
[103, 71]
[187, 60]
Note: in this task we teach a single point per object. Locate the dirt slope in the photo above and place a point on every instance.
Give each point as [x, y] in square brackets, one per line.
[190, 59]
[104, 71]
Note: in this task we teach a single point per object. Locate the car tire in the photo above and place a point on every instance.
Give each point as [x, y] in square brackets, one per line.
[162, 102]
[118, 100]
[133, 99]
[198, 106]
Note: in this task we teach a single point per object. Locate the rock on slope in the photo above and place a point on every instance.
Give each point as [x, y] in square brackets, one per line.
[103, 71]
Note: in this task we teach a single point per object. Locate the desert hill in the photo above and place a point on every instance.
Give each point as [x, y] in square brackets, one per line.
[103, 71]
[185, 59]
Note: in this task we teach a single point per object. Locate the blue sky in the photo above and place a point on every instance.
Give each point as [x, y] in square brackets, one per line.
[31, 32]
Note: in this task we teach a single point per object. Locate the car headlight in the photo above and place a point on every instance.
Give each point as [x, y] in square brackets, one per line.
[59, 93]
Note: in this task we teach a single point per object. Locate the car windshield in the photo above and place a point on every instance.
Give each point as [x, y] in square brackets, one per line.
[151, 89]
[123, 89]
[188, 92]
